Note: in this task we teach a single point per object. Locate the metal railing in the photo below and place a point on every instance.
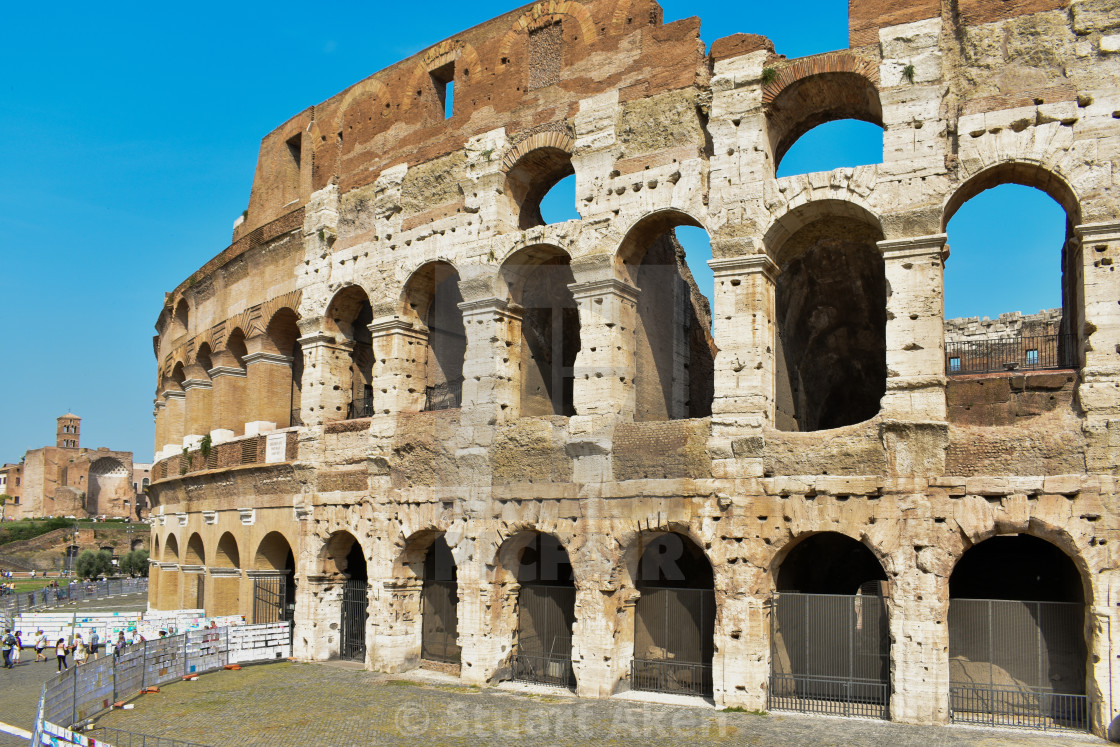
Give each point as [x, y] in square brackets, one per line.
[1031, 708]
[1037, 353]
[448, 396]
[361, 407]
[122, 738]
[668, 676]
[14, 604]
[543, 669]
[673, 640]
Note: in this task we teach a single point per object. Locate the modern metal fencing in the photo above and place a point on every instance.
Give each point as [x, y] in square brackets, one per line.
[14, 604]
[830, 653]
[446, 396]
[85, 690]
[361, 407]
[1017, 663]
[122, 738]
[439, 629]
[673, 631]
[355, 612]
[1036, 353]
[270, 599]
[543, 653]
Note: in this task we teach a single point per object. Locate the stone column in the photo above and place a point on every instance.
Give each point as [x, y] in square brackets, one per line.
[596, 659]
[199, 406]
[228, 401]
[491, 382]
[741, 662]
[393, 630]
[159, 412]
[174, 414]
[269, 395]
[918, 616]
[915, 328]
[399, 362]
[223, 591]
[744, 328]
[326, 378]
[604, 368]
[1096, 324]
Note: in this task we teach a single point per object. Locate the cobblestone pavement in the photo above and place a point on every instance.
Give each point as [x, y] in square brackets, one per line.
[316, 704]
[19, 694]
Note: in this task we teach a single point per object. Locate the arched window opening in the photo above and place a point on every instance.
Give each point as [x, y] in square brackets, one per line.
[168, 591]
[235, 347]
[829, 630]
[1009, 282]
[833, 145]
[439, 605]
[203, 358]
[110, 489]
[831, 299]
[531, 178]
[546, 610]
[225, 574]
[194, 578]
[346, 559]
[559, 204]
[274, 584]
[1017, 650]
[227, 555]
[538, 280]
[180, 320]
[433, 297]
[674, 619]
[350, 315]
[283, 334]
[674, 356]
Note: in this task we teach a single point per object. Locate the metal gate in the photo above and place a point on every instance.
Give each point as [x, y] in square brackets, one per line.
[673, 641]
[439, 612]
[270, 603]
[1017, 663]
[543, 652]
[830, 653]
[355, 611]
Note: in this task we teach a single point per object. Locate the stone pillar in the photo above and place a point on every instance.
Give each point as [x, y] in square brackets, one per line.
[228, 399]
[604, 368]
[491, 382]
[318, 633]
[744, 328]
[596, 659]
[199, 406]
[741, 662]
[223, 591]
[1096, 324]
[1103, 641]
[169, 592]
[159, 412]
[174, 417]
[269, 384]
[918, 615]
[399, 362]
[915, 328]
[326, 378]
[393, 630]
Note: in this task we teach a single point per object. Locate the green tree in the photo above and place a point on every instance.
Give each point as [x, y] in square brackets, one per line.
[4, 498]
[93, 564]
[135, 563]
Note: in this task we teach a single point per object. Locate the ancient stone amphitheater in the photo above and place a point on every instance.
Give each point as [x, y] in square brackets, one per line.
[432, 430]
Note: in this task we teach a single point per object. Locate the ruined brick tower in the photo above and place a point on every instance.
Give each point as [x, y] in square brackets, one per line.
[68, 432]
[408, 414]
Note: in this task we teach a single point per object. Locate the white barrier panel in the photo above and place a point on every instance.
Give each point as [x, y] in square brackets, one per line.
[267, 641]
[57, 625]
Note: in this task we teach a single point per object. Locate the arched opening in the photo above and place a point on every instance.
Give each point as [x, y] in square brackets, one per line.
[1017, 650]
[546, 608]
[180, 319]
[345, 560]
[834, 145]
[274, 584]
[171, 550]
[531, 178]
[110, 488]
[225, 573]
[194, 573]
[199, 393]
[349, 316]
[1011, 286]
[829, 629]
[674, 350]
[432, 295]
[439, 605]
[675, 617]
[804, 104]
[831, 303]
[154, 600]
[283, 339]
[538, 279]
[169, 579]
[559, 204]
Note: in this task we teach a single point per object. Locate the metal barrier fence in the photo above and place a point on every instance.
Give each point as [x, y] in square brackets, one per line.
[1017, 663]
[439, 621]
[544, 635]
[673, 648]
[15, 604]
[352, 627]
[1037, 353]
[121, 738]
[830, 653]
[83, 691]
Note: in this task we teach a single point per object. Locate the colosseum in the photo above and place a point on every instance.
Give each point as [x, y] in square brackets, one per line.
[432, 430]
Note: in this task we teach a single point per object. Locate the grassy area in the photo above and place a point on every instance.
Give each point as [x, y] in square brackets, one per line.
[31, 584]
[25, 529]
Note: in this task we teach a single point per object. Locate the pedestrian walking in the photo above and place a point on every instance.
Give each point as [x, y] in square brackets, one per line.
[17, 648]
[81, 653]
[121, 643]
[6, 643]
[94, 644]
[41, 646]
[60, 652]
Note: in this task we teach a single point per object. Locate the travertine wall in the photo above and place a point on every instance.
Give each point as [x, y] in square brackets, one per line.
[358, 197]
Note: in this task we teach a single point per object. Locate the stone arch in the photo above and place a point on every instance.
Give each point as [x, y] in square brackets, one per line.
[460, 54]
[348, 317]
[541, 15]
[282, 339]
[674, 366]
[537, 279]
[831, 318]
[226, 554]
[274, 553]
[819, 89]
[167, 593]
[196, 551]
[171, 549]
[234, 349]
[180, 319]
[110, 485]
[340, 554]
[426, 572]
[431, 298]
[156, 548]
[791, 569]
[366, 102]
[532, 168]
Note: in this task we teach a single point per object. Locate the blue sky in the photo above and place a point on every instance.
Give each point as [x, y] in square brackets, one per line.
[129, 139]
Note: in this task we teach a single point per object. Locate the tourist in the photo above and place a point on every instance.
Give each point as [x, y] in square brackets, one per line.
[121, 643]
[81, 653]
[6, 643]
[17, 648]
[41, 646]
[94, 644]
[60, 652]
